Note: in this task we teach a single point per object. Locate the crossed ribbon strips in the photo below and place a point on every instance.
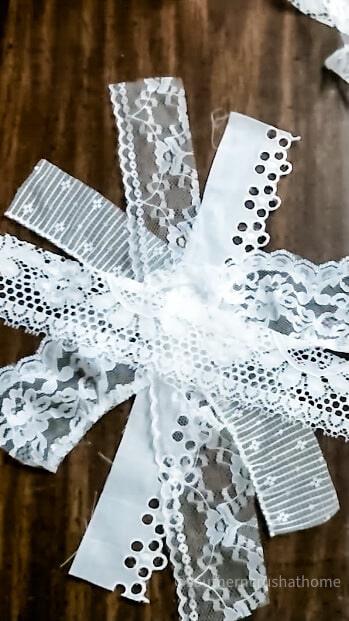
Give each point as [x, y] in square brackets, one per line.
[223, 345]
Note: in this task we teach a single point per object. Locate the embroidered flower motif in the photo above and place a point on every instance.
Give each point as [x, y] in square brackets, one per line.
[282, 517]
[97, 203]
[270, 480]
[86, 248]
[59, 227]
[66, 184]
[27, 208]
[58, 286]
[301, 444]
[170, 156]
[255, 445]
[274, 294]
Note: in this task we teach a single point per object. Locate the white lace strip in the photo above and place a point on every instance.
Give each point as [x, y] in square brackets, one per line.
[85, 310]
[51, 399]
[287, 468]
[295, 297]
[157, 163]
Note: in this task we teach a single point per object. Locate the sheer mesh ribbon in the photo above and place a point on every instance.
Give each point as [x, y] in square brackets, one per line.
[193, 340]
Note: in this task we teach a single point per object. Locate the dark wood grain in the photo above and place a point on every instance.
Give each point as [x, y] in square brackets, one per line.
[258, 57]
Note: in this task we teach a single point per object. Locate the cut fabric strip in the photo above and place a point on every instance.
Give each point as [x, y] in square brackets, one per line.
[288, 471]
[68, 213]
[106, 556]
[208, 509]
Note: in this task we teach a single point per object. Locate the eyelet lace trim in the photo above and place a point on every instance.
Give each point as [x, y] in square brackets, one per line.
[84, 310]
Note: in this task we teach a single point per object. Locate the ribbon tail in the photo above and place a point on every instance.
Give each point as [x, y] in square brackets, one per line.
[123, 541]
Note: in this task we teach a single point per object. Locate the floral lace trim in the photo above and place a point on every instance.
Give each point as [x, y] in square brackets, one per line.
[123, 542]
[50, 400]
[157, 162]
[295, 297]
[203, 476]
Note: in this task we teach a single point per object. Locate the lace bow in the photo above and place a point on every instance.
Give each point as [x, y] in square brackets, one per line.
[230, 351]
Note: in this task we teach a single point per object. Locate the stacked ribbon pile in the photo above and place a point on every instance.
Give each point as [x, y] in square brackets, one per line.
[230, 351]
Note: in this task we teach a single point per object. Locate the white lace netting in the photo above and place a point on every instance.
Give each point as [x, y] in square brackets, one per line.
[157, 164]
[149, 325]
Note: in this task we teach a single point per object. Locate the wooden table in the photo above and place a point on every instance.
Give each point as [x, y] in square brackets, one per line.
[259, 57]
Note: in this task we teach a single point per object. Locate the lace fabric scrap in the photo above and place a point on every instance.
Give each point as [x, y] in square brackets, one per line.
[157, 164]
[51, 399]
[334, 13]
[59, 390]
